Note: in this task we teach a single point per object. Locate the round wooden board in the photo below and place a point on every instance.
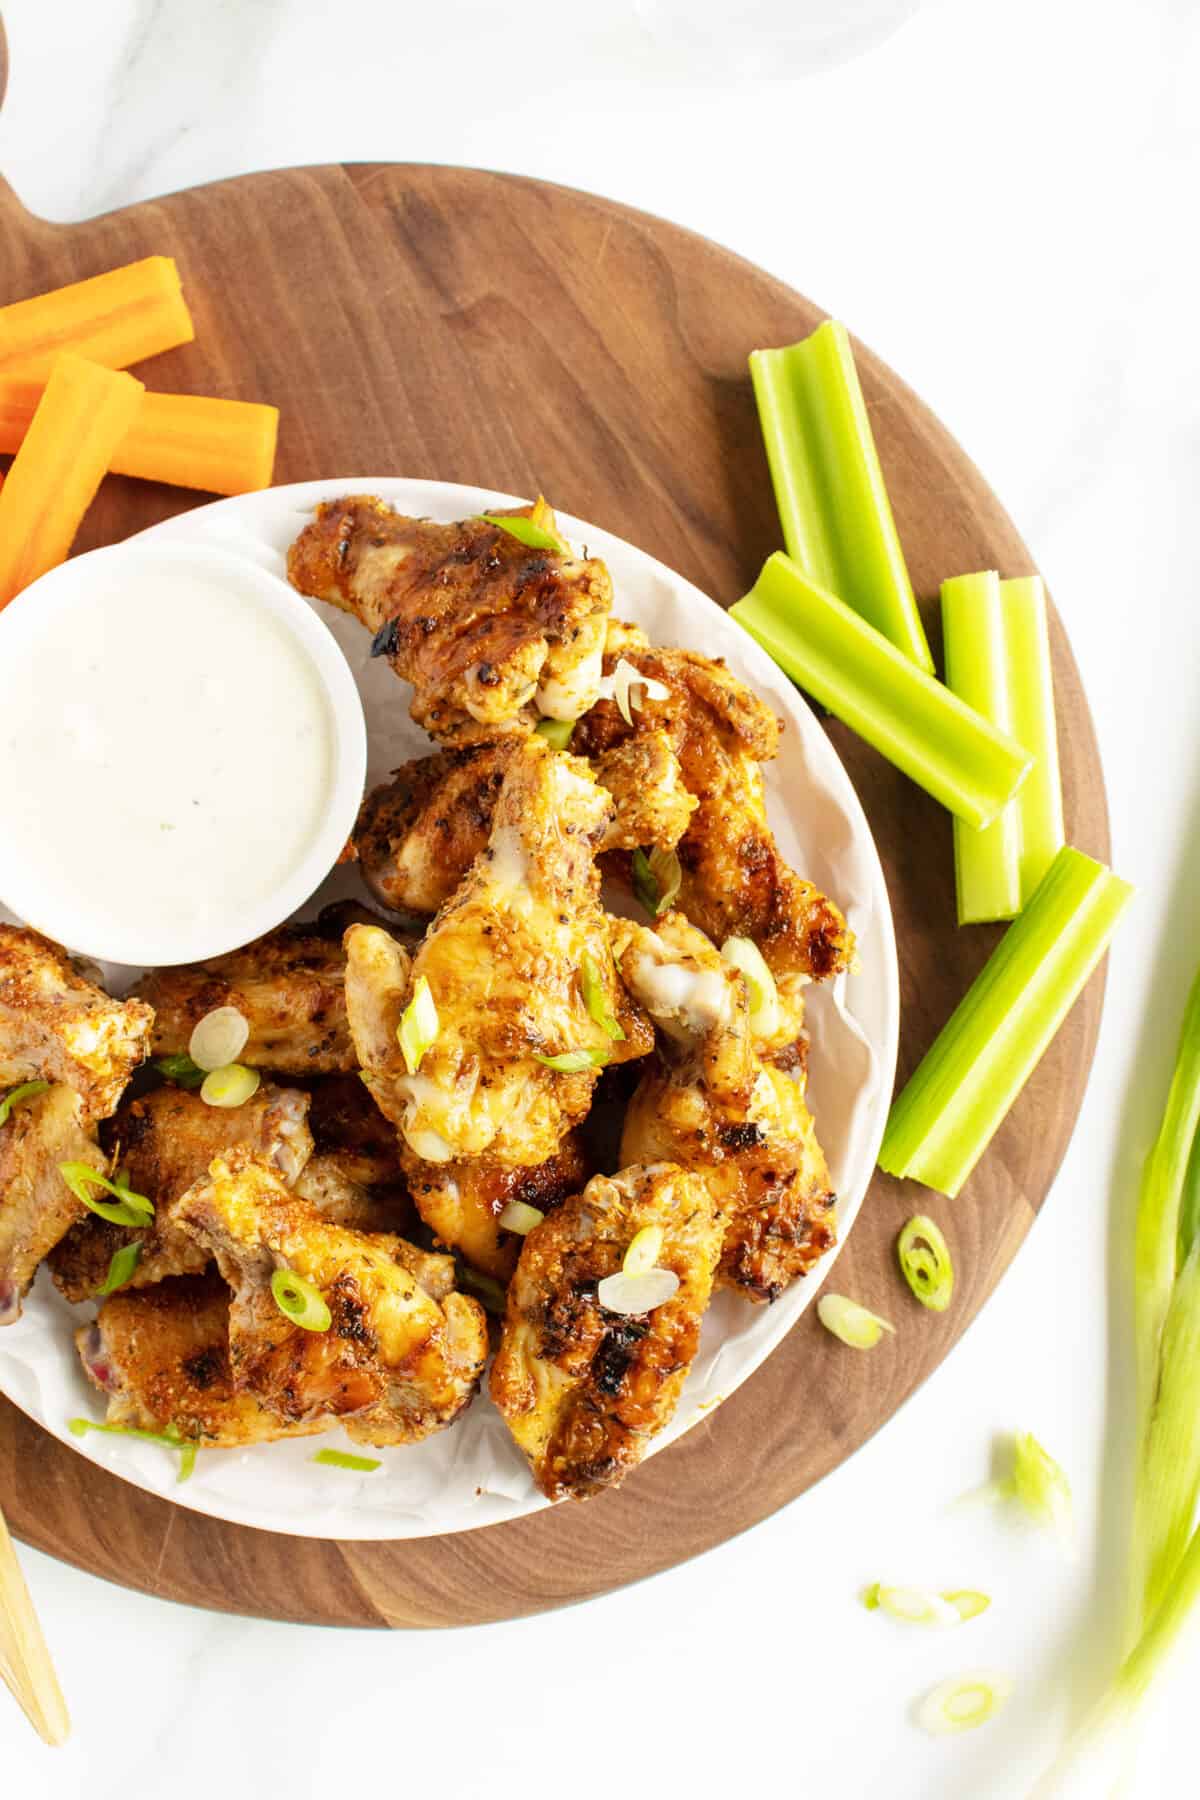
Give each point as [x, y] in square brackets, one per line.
[486, 329]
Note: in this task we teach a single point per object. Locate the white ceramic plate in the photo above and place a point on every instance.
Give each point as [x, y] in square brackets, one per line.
[472, 1474]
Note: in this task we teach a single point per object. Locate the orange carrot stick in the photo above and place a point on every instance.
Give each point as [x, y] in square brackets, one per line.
[220, 446]
[115, 319]
[81, 418]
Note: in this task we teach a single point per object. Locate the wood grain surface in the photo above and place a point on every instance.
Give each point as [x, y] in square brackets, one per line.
[482, 328]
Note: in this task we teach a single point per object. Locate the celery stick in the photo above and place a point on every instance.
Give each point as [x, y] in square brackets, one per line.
[987, 863]
[833, 505]
[968, 1079]
[1156, 1239]
[909, 717]
[1031, 721]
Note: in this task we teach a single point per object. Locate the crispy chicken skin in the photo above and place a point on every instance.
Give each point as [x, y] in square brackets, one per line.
[56, 1026]
[461, 1201]
[715, 1102]
[735, 882]
[419, 833]
[36, 1205]
[327, 1181]
[583, 1390]
[489, 632]
[165, 1141]
[395, 1364]
[161, 1357]
[346, 1123]
[290, 985]
[504, 962]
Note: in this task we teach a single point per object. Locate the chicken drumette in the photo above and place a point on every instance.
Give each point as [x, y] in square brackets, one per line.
[36, 1205]
[490, 632]
[715, 1102]
[584, 1390]
[394, 1365]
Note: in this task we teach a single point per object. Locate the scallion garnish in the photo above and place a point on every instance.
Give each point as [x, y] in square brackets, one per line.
[851, 1323]
[1040, 1487]
[171, 1439]
[621, 684]
[634, 1295]
[912, 1606]
[971, 1074]
[833, 505]
[219, 1038]
[418, 1028]
[595, 997]
[230, 1086]
[963, 1703]
[28, 1090]
[557, 732]
[179, 1069]
[645, 1248]
[342, 1459]
[300, 1300]
[124, 1261]
[657, 877]
[129, 1208]
[925, 1263]
[528, 532]
[908, 716]
[570, 1062]
[744, 955]
[519, 1216]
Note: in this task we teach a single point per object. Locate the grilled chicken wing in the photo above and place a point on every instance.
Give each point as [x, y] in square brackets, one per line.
[489, 632]
[461, 1202]
[328, 1182]
[418, 834]
[346, 1123]
[162, 1358]
[56, 1026]
[716, 1103]
[583, 1390]
[735, 882]
[505, 961]
[165, 1141]
[290, 985]
[36, 1205]
[394, 1365]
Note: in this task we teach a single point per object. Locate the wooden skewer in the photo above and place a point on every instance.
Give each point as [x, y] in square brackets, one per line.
[25, 1664]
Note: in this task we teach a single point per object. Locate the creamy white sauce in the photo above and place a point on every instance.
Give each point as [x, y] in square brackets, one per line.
[169, 756]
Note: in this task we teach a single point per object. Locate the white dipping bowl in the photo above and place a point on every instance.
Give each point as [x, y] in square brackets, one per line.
[111, 716]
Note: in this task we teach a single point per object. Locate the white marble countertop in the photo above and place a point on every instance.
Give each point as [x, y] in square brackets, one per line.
[1001, 201]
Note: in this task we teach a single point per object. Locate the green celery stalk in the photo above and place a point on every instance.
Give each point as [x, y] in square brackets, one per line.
[909, 717]
[968, 1079]
[1157, 1234]
[833, 505]
[987, 863]
[1032, 722]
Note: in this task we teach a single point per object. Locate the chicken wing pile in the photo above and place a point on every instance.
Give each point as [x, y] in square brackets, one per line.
[442, 1114]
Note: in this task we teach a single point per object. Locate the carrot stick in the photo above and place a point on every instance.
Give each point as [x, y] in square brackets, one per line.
[114, 319]
[81, 418]
[221, 446]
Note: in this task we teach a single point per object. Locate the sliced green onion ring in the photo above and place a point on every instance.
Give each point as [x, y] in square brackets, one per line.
[744, 955]
[657, 876]
[528, 532]
[342, 1459]
[170, 1439]
[968, 1603]
[299, 1300]
[127, 1208]
[570, 1062]
[1040, 1486]
[179, 1069]
[28, 1090]
[962, 1703]
[620, 686]
[557, 732]
[520, 1217]
[594, 996]
[229, 1086]
[851, 1323]
[219, 1038]
[911, 1605]
[633, 1295]
[121, 1267]
[644, 1250]
[925, 1263]
[418, 1029]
